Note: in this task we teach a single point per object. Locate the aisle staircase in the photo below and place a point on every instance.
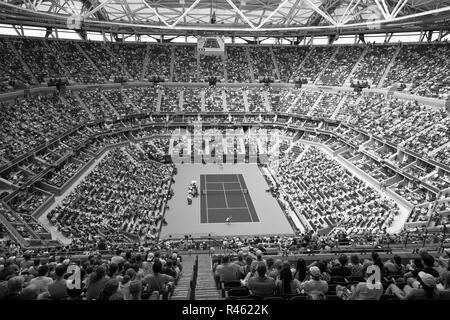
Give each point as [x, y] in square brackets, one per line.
[24, 64]
[347, 81]
[388, 68]
[325, 66]
[245, 98]
[181, 291]
[206, 286]
[145, 63]
[250, 64]
[275, 64]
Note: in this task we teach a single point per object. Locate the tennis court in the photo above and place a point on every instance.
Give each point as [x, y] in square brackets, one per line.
[224, 195]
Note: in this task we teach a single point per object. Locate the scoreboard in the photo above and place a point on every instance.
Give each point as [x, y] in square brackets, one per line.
[211, 46]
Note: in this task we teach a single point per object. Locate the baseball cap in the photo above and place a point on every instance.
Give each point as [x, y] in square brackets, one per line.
[314, 271]
[427, 279]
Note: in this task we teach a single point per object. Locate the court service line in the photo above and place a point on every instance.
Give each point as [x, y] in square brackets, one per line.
[225, 195]
[229, 190]
[246, 203]
[229, 208]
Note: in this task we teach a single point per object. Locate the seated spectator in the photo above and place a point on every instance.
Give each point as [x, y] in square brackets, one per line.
[287, 284]
[135, 290]
[260, 284]
[275, 272]
[113, 270]
[117, 259]
[111, 287]
[169, 269]
[374, 261]
[125, 282]
[315, 286]
[96, 283]
[246, 270]
[324, 273]
[422, 289]
[341, 269]
[26, 262]
[444, 260]
[269, 265]
[300, 270]
[355, 266]
[227, 271]
[42, 281]
[30, 292]
[240, 261]
[15, 285]
[444, 292]
[394, 267]
[428, 267]
[10, 270]
[366, 291]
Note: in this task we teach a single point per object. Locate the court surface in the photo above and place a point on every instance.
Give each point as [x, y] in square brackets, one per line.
[225, 195]
[183, 219]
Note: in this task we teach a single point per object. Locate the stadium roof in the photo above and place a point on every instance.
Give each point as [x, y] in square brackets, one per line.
[249, 16]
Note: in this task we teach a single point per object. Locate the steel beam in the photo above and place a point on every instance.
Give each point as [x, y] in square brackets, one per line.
[323, 14]
[398, 8]
[179, 18]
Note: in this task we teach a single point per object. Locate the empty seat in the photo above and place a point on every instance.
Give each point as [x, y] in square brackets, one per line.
[274, 298]
[238, 292]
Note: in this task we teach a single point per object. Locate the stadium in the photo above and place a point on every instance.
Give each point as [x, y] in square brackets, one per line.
[239, 150]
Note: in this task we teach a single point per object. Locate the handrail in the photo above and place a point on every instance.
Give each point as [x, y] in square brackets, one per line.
[193, 281]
